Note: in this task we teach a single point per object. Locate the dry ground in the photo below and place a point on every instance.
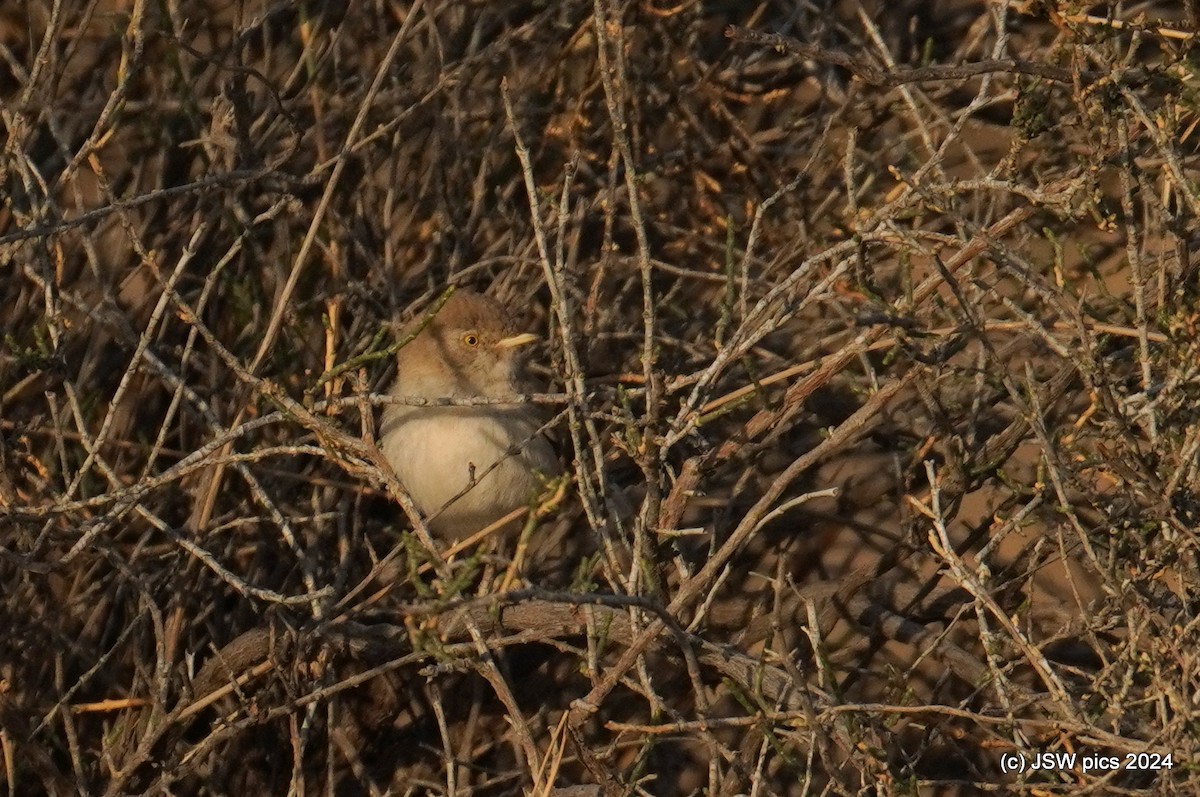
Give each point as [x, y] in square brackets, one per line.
[881, 316]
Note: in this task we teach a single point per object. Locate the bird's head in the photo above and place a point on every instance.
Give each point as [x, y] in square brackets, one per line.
[470, 348]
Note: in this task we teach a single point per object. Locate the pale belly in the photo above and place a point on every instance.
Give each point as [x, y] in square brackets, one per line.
[465, 469]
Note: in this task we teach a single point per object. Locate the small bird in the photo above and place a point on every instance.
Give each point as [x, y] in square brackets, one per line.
[465, 465]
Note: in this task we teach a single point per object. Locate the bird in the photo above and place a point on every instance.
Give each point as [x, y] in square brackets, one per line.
[466, 465]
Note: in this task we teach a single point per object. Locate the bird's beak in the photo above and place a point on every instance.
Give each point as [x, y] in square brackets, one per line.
[514, 341]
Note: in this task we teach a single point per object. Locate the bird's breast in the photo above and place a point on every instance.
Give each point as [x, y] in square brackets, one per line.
[466, 466]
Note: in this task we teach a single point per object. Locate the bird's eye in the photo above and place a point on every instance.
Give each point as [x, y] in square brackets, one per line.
[471, 339]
